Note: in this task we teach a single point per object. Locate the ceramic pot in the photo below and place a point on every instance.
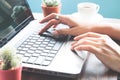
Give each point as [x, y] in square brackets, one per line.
[14, 74]
[49, 10]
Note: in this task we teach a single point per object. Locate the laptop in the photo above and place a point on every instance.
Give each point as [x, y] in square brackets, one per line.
[40, 53]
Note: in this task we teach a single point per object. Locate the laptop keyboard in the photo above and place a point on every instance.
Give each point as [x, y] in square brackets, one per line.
[39, 50]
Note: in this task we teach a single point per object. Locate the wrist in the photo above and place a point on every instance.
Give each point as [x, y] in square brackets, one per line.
[99, 28]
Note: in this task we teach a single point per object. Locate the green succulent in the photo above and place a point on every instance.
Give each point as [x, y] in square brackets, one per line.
[51, 3]
[9, 58]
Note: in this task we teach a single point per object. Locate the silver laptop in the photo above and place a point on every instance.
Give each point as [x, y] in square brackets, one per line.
[42, 54]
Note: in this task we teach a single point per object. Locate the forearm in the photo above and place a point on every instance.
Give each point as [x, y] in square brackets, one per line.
[113, 30]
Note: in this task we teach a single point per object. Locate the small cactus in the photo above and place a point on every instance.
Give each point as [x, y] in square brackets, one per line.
[51, 3]
[8, 58]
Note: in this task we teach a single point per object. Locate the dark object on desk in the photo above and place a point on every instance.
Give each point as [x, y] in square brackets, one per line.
[118, 76]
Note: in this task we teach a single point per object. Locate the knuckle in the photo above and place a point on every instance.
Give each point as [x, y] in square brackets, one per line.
[83, 41]
[52, 21]
[89, 33]
[53, 14]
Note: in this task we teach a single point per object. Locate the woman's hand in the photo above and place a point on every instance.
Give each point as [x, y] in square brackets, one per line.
[102, 46]
[55, 19]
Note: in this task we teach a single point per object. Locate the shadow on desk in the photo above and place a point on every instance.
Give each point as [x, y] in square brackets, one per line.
[35, 76]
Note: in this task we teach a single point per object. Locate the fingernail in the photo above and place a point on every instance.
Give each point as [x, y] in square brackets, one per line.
[40, 32]
[40, 22]
[72, 48]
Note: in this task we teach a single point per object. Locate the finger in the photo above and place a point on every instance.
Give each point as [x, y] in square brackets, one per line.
[49, 24]
[98, 53]
[54, 26]
[88, 34]
[89, 48]
[91, 41]
[87, 39]
[73, 43]
[69, 31]
[47, 18]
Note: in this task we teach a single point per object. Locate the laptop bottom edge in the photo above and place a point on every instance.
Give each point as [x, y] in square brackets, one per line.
[52, 73]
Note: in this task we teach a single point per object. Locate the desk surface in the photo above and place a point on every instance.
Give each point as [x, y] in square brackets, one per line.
[92, 70]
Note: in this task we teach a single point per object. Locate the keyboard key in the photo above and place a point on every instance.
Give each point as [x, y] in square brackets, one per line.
[24, 59]
[46, 51]
[40, 60]
[35, 55]
[46, 63]
[44, 54]
[51, 55]
[48, 48]
[53, 51]
[30, 51]
[50, 45]
[38, 51]
[27, 54]
[43, 45]
[57, 46]
[49, 58]
[22, 52]
[31, 60]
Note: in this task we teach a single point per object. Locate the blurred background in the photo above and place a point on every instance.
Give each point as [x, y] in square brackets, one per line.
[108, 8]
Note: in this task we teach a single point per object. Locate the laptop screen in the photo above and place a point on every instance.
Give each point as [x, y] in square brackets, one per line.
[14, 15]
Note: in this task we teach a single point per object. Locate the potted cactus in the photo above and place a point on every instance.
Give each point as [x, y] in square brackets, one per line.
[51, 6]
[10, 64]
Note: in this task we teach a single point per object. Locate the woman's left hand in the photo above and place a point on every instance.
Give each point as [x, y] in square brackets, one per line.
[102, 46]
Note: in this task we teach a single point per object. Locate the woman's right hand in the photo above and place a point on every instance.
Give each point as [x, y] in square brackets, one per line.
[104, 48]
